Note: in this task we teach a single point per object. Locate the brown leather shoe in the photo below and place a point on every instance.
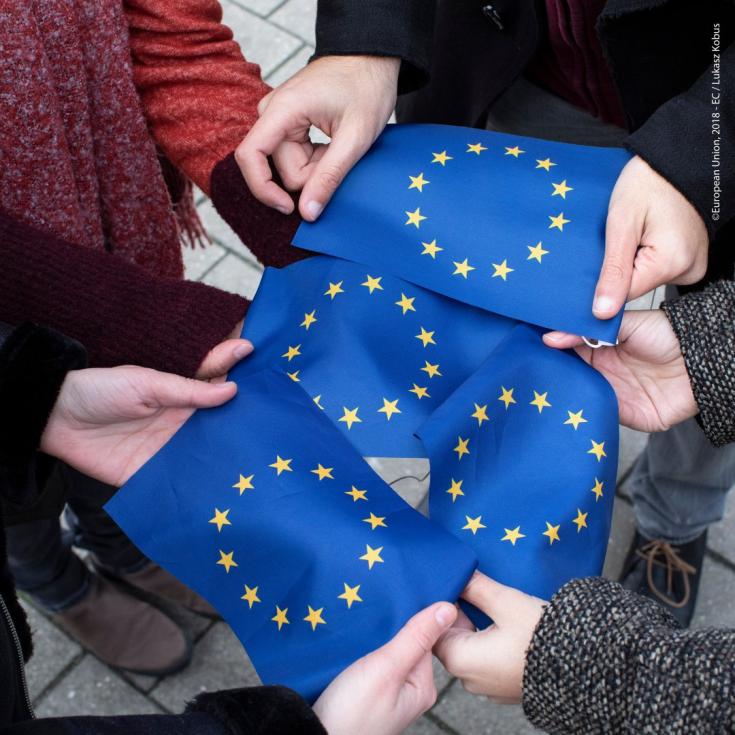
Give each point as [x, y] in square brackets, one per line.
[125, 632]
[153, 580]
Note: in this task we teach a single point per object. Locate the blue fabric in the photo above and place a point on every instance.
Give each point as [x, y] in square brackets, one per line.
[296, 540]
[362, 348]
[485, 207]
[541, 458]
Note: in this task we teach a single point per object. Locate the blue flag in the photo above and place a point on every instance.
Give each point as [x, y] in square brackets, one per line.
[267, 511]
[523, 464]
[511, 224]
[376, 353]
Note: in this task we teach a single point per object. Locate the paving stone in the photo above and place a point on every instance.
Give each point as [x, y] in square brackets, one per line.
[409, 490]
[219, 663]
[716, 593]
[234, 275]
[721, 536]
[393, 468]
[423, 726]
[260, 41]
[473, 715]
[197, 261]
[631, 445]
[623, 529]
[220, 231]
[54, 651]
[261, 7]
[91, 688]
[297, 62]
[297, 16]
[441, 676]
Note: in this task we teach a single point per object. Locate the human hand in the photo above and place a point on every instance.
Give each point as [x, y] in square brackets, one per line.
[350, 98]
[646, 370]
[224, 356]
[385, 691]
[647, 211]
[491, 661]
[107, 422]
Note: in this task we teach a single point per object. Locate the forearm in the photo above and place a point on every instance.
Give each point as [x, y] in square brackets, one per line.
[704, 322]
[605, 660]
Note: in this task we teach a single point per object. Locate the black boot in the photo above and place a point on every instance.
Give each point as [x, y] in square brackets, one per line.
[667, 574]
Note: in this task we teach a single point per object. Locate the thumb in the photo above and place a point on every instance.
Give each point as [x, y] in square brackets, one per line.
[417, 637]
[494, 599]
[223, 357]
[164, 390]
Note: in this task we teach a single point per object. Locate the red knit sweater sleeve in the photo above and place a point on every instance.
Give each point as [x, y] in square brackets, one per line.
[199, 94]
[117, 310]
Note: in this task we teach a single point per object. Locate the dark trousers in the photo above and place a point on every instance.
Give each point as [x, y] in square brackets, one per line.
[41, 555]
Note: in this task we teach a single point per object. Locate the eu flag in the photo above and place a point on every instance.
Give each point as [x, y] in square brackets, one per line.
[511, 224]
[523, 464]
[266, 510]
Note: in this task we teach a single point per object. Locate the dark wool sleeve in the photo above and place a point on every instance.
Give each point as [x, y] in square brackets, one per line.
[677, 141]
[119, 312]
[400, 28]
[604, 660]
[704, 322]
[267, 710]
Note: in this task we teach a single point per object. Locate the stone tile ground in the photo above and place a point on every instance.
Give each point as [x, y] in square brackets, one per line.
[279, 35]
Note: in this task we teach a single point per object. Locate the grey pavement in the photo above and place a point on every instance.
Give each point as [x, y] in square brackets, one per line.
[64, 679]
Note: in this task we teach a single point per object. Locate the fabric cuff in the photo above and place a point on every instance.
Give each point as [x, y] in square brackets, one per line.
[704, 323]
[266, 710]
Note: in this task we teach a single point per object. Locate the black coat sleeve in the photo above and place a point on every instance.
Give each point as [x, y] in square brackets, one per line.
[400, 28]
[680, 142]
[604, 660]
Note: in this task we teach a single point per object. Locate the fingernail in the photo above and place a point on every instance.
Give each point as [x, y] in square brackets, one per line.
[242, 351]
[314, 209]
[553, 336]
[444, 614]
[603, 304]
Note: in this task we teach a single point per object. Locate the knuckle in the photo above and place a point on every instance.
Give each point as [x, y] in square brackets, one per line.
[614, 270]
[330, 177]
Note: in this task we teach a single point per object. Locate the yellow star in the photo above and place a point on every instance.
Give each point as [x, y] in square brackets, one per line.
[546, 164]
[226, 560]
[427, 338]
[462, 269]
[431, 248]
[506, 396]
[419, 391]
[315, 617]
[334, 289]
[220, 519]
[515, 151]
[539, 400]
[456, 489]
[575, 419]
[281, 465]
[375, 521]
[350, 594]
[473, 524]
[561, 189]
[244, 483]
[461, 447]
[597, 489]
[418, 182]
[502, 270]
[389, 408]
[552, 532]
[251, 596]
[580, 520]
[372, 556]
[475, 148]
[480, 414]
[513, 535]
[317, 400]
[350, 416]
[294, 376]
[292, 352]
[536, 252]
[558, 222]
[598, 449]
[373, 283]
[280, 617]
[415, 218]
[405, 303]
[309, 319]
[323, 472]
[441, 158]
[431, 370]
[356, 494]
